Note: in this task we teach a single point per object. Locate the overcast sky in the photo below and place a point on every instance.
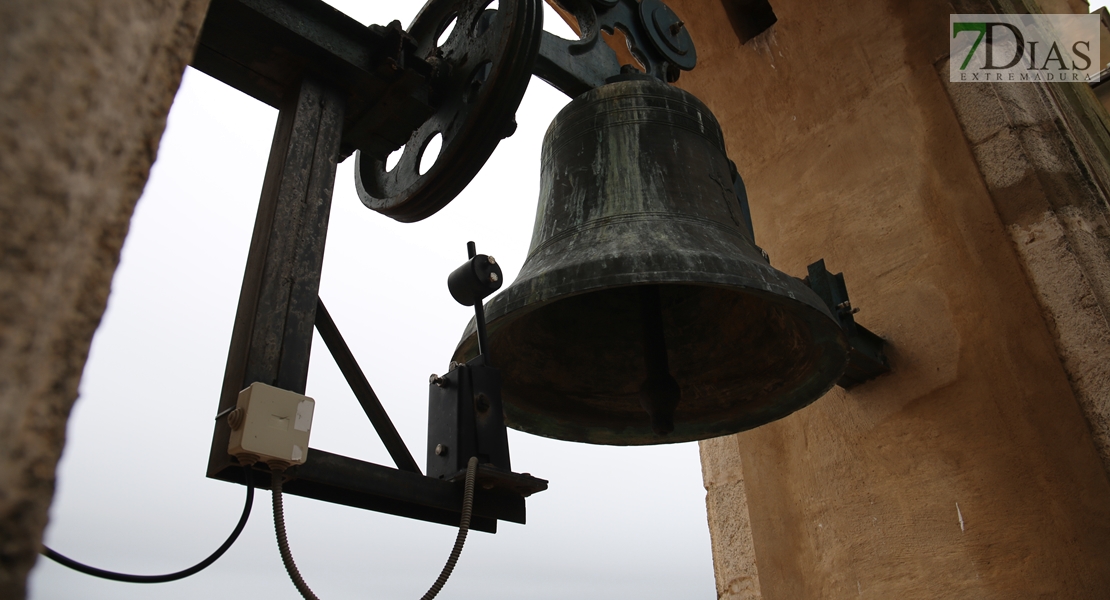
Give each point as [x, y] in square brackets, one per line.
[132, 495]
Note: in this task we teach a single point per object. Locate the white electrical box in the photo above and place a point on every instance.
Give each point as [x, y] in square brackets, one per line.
[272, 425]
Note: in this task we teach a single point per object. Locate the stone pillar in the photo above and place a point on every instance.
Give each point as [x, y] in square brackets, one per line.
[730, 532]
[971, 470]
[84, 95]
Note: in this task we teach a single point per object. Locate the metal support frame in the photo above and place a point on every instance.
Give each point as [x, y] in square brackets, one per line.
[263, 48]
[337, 86]
[272, 336]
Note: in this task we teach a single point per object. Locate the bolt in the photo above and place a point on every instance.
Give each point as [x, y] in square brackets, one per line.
[491, 260]
[676, 27]
[481, 402]
[441, 450]
[846, 308]
[454, 365]
[493, 277]
[437, 380]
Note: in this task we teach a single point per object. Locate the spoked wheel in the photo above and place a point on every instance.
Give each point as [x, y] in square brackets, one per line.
[482, 69]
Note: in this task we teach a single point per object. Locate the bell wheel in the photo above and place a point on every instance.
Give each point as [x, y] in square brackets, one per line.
[483, 58]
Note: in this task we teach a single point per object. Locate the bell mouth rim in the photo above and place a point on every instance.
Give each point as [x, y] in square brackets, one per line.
[828, 337]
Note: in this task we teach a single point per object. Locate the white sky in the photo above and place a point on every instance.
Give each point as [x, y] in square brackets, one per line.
[132, 495]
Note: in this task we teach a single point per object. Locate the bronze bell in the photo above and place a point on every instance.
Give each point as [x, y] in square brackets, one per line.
[644, 313]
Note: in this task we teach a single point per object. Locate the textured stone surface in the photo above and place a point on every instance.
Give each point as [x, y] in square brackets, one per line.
[85, 91]
[726, 506]
[1081, 330]
[970, 471]
[1045, 186]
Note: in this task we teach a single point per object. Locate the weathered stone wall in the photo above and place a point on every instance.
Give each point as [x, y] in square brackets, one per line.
[971, 470]
[730, 531]
[84, 95]
[1055, 211]
[1044, 152]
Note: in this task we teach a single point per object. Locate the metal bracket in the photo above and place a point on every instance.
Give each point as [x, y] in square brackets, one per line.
[866, 360]
[465, 418]
[657, 38]
[465, 414]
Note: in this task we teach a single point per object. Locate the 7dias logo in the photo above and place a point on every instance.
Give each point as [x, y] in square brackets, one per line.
[1023, 48]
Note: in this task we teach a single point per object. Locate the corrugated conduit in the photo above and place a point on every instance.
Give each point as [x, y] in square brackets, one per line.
[464, 527]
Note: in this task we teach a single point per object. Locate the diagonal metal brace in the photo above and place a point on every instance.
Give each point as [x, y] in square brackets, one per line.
[371, 405]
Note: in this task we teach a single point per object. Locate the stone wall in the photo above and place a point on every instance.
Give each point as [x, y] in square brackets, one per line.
[971, 470]
[1053, 205]
[84, 95]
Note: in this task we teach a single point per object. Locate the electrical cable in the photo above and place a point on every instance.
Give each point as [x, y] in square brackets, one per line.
[464, 527]
[282, 540]
[193, 570]
[460, 539]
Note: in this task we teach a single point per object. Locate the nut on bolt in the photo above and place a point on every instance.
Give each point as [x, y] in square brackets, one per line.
[846, 307]
[437, 380]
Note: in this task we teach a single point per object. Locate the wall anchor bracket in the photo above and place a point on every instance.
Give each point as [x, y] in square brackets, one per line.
[866, 359]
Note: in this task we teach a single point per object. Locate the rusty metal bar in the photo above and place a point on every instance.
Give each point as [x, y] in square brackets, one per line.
[371, 405]
[272, 336]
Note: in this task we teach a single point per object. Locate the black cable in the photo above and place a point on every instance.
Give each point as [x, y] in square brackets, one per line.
[193, 570]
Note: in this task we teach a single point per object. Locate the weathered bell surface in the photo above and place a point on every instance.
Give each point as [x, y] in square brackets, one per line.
[644, 314]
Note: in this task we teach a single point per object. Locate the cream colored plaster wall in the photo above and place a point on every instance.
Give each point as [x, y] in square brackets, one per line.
[970, 471]
[84, 93]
